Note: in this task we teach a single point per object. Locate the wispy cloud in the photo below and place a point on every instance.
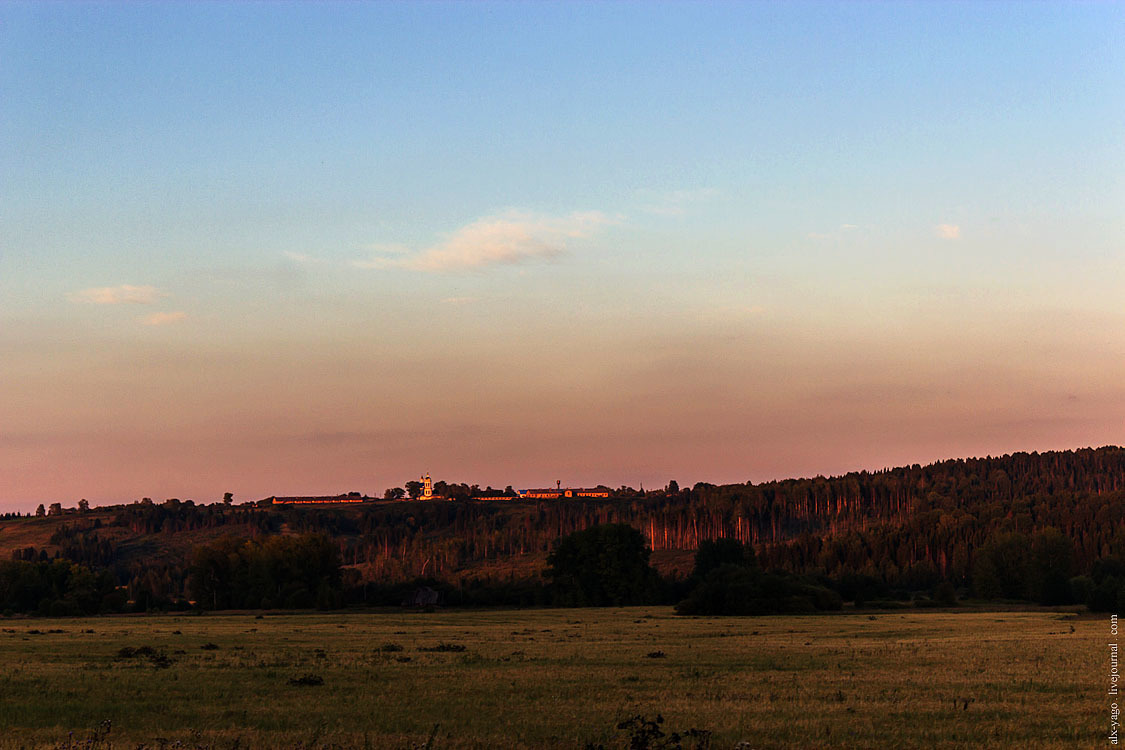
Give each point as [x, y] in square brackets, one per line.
[300, 257]
[833, 235]
[510, 238]
[125, 294]
[388, 248]
[164, 318]
[675, 202]
[948, 231]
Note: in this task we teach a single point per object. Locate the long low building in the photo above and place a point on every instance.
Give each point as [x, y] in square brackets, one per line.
[557, 493]
[319, 499]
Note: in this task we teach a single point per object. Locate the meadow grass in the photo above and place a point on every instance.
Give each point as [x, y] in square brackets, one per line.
[558, 678]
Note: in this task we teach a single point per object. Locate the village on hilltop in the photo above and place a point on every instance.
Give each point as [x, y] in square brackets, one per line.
[423, 489]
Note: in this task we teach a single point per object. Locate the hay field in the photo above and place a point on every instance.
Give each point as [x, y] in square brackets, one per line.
[556, 678]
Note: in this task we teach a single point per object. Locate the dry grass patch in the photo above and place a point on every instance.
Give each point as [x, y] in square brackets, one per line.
[559, 678]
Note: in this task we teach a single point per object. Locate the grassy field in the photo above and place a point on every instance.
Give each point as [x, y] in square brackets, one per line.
[557, 678]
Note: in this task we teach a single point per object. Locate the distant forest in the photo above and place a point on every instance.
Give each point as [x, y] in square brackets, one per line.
[1044, 527]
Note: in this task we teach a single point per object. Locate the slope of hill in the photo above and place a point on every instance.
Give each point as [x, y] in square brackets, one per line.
[921, 521]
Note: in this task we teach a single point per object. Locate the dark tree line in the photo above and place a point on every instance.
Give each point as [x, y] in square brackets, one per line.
[173, 515]
[1045, 527]
[57, 588]
[602, 566]
[937, 515]
[608, 565]
[727, 580]
[293, 572]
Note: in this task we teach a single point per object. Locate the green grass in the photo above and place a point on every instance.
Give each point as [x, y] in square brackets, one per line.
[561, 678]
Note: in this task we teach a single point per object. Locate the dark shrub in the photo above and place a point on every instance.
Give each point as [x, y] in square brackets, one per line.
[307, 680]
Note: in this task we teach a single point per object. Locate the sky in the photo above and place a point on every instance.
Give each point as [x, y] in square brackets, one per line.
[269, 248]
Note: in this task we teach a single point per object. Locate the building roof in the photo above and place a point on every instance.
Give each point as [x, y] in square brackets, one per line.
[319, 499]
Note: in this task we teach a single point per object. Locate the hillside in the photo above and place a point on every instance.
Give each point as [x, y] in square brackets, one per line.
[888, 525]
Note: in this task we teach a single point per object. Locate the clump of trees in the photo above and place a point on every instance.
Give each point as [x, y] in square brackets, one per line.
[608, 565]
[57, 588]
[605, 565]
[727, 580]
[1104, 589]
[173, 515]
[294, 572]
[1016, 566]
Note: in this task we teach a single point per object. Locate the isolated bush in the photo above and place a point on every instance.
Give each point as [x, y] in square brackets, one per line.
[156, 658]
[644, 733]
[444, 648]
[307, 680]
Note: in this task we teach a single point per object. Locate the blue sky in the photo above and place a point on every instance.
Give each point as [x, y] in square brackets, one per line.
[247, 245]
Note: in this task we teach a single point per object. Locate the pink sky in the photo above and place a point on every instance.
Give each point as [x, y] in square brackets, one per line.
[518, 400]
[325, 247]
